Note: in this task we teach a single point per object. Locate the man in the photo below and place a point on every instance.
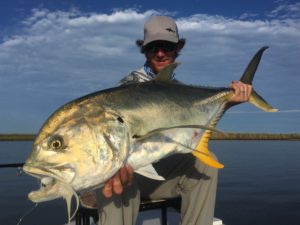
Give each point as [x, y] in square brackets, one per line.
[118, 202]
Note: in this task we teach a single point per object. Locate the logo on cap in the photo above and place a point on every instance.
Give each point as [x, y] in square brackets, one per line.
[170, 30]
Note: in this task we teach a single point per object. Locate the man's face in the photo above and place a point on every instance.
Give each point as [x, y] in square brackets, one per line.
[159, 54]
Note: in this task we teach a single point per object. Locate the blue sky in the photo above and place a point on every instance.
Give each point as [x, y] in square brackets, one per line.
[54, 51]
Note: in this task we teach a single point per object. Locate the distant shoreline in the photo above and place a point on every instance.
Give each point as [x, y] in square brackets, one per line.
[17, 137]
[215, 136]
[256, 136]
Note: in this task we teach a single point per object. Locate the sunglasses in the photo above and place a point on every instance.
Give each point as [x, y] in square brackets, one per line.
[163, 46]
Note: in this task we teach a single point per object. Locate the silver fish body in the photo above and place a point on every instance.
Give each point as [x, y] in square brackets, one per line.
[94, 135]
[86, 141]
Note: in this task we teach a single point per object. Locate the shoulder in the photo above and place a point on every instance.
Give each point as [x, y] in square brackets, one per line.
[135, 76]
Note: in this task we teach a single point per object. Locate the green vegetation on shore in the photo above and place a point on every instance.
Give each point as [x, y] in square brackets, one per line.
[256, 136]
[215, 136]
[17, 137]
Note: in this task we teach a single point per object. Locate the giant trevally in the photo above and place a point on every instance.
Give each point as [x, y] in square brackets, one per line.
[86, 141]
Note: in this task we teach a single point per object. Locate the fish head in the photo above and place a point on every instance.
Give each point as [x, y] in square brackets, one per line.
[78, 148]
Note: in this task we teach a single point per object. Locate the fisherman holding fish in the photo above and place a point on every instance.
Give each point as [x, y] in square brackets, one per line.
[98, 140]
[184, 175]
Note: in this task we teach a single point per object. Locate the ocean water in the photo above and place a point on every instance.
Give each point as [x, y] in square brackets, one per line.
[260, 185]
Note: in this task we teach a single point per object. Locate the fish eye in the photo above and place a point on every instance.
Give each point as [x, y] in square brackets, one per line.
[56, 143]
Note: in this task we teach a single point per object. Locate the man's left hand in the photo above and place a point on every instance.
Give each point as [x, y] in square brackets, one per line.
[241, 92]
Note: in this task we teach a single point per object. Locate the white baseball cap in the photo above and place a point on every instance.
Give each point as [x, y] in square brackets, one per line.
[160, 28]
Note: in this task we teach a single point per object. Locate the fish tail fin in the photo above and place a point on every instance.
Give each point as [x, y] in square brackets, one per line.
[203, 154]
[247, 78]
[258, 101]
[249, 72]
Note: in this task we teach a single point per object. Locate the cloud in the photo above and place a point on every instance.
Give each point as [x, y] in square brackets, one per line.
[248, 16]
[67, 44]
[60, 55]
[285, 10]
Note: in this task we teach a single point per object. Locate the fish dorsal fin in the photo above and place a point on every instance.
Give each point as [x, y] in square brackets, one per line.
[202, 153]
[166, 74]
[150, 172]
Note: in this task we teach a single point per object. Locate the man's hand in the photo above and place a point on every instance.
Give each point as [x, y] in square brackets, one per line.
[118, 182]
[241, 92]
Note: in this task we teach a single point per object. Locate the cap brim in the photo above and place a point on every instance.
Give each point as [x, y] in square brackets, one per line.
[161, 37]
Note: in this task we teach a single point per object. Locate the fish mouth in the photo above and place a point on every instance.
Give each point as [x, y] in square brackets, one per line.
[52, 185]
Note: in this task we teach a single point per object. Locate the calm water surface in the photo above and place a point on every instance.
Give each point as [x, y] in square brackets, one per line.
[260, 185]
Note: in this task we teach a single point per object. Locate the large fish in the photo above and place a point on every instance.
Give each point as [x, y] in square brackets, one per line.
[86, 141]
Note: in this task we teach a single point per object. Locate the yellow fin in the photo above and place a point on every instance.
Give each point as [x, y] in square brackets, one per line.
[203, 154]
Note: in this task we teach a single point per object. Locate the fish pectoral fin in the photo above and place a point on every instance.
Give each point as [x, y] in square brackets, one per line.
[159, 130]
[150, 172]
[203, 154]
